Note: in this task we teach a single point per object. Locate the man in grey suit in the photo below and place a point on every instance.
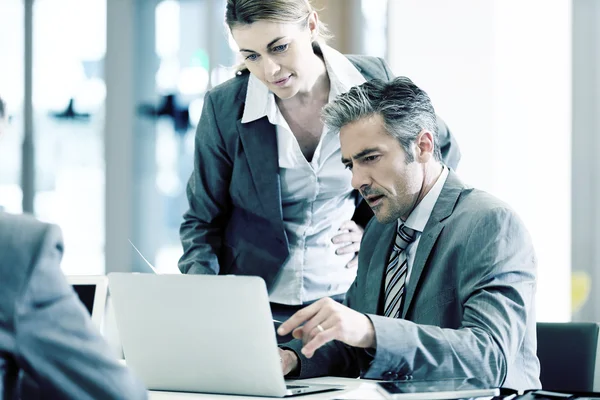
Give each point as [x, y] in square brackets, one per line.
[447, 273]
[46, 333]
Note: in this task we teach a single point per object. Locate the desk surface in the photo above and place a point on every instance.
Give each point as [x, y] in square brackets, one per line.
[355, 389]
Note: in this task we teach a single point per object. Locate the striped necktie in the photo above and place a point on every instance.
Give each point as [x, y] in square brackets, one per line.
[395, 274]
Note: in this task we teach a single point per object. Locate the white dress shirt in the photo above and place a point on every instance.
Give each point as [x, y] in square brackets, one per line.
[418, 219]
[316, 196]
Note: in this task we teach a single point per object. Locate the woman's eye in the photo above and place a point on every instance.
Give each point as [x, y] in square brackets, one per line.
[280, 48]
[252, 57]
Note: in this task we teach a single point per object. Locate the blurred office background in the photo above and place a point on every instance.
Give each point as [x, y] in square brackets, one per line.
[116, 89]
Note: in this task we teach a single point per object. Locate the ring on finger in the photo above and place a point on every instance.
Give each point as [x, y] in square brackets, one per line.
[320, 328]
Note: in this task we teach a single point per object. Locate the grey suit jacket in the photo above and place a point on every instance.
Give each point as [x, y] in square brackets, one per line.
[469, 307]
[234, 224]
[45, 331]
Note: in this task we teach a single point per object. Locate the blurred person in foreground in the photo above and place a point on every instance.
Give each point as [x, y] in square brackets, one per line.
[446, 273]
[48, 345]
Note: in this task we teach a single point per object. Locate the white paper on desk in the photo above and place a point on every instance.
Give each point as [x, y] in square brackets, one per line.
[365, 391]
[144, 258]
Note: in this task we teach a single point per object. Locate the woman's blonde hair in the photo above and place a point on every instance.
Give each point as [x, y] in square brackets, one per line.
[245, 12]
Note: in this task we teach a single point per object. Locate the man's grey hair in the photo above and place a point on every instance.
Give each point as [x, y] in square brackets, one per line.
[405, 108]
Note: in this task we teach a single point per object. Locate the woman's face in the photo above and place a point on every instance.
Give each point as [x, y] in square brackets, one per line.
[279, 54]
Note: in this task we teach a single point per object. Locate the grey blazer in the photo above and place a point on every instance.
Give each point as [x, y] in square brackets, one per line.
[234, 224]
[469, 307]
[45, 331]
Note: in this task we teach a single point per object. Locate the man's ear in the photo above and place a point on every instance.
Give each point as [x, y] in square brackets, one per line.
[424, 146]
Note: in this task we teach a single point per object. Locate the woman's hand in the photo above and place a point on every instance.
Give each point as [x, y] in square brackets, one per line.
[349, 236]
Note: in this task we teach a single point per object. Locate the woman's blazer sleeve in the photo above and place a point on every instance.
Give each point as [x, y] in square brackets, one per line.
[208, 197]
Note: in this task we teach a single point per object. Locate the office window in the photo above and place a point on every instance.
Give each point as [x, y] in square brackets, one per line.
[193, 53]
[504, 88]
[375, 15]
[11, 89]
[68, 95]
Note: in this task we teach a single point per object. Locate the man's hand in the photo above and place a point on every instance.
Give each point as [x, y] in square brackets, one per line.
[289, 361]
[327, 320]
[350, 234]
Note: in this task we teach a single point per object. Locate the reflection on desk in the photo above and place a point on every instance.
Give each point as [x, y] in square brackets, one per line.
[356, 389]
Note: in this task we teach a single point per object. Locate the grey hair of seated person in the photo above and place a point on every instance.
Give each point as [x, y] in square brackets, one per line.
[405, 108]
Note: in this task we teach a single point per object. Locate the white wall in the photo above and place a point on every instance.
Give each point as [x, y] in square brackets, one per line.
[585, 150]
[498, 72]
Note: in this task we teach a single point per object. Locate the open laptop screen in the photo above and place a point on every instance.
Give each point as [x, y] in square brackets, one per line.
[92, 292]
[86, 295]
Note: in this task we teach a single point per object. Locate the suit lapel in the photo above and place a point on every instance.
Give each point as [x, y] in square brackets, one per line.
[443, 209]
[259, 140]
[425, 245]
[377, 266]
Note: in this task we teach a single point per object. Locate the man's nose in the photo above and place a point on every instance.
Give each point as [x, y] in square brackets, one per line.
[359, 179]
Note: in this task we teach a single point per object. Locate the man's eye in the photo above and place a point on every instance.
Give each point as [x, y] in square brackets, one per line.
[348, 166]
[370, 158]
[252, 57]
[280, 48]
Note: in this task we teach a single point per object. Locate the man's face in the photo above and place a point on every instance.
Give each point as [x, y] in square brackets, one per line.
[379, 169]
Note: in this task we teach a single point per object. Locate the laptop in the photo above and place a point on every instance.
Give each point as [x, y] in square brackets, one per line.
[92, 291]
[201, 333]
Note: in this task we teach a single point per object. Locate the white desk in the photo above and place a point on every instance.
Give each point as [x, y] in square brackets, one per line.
[355, 389]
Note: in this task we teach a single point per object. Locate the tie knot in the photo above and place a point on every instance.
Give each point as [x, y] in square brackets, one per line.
[404, 237]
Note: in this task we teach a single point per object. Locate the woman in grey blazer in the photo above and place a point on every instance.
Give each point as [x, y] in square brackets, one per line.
[268, 195]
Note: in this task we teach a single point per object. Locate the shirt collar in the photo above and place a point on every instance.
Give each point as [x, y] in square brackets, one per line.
[260, 101]
[420, 215]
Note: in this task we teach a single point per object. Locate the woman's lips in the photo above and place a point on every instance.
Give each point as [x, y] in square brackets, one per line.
[282, 82]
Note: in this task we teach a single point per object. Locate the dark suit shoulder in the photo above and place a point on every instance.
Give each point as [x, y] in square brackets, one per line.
[20, 234]
[224, 105]
[370, 67]
[234, 90]
[477, 208]
[19, 220]
[230, 92]
[228, 99]
[21, 240]
[479, 201]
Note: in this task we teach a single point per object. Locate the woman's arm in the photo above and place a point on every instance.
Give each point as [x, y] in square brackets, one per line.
[208, 198]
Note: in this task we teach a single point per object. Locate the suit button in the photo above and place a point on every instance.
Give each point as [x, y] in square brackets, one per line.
[390, 376]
